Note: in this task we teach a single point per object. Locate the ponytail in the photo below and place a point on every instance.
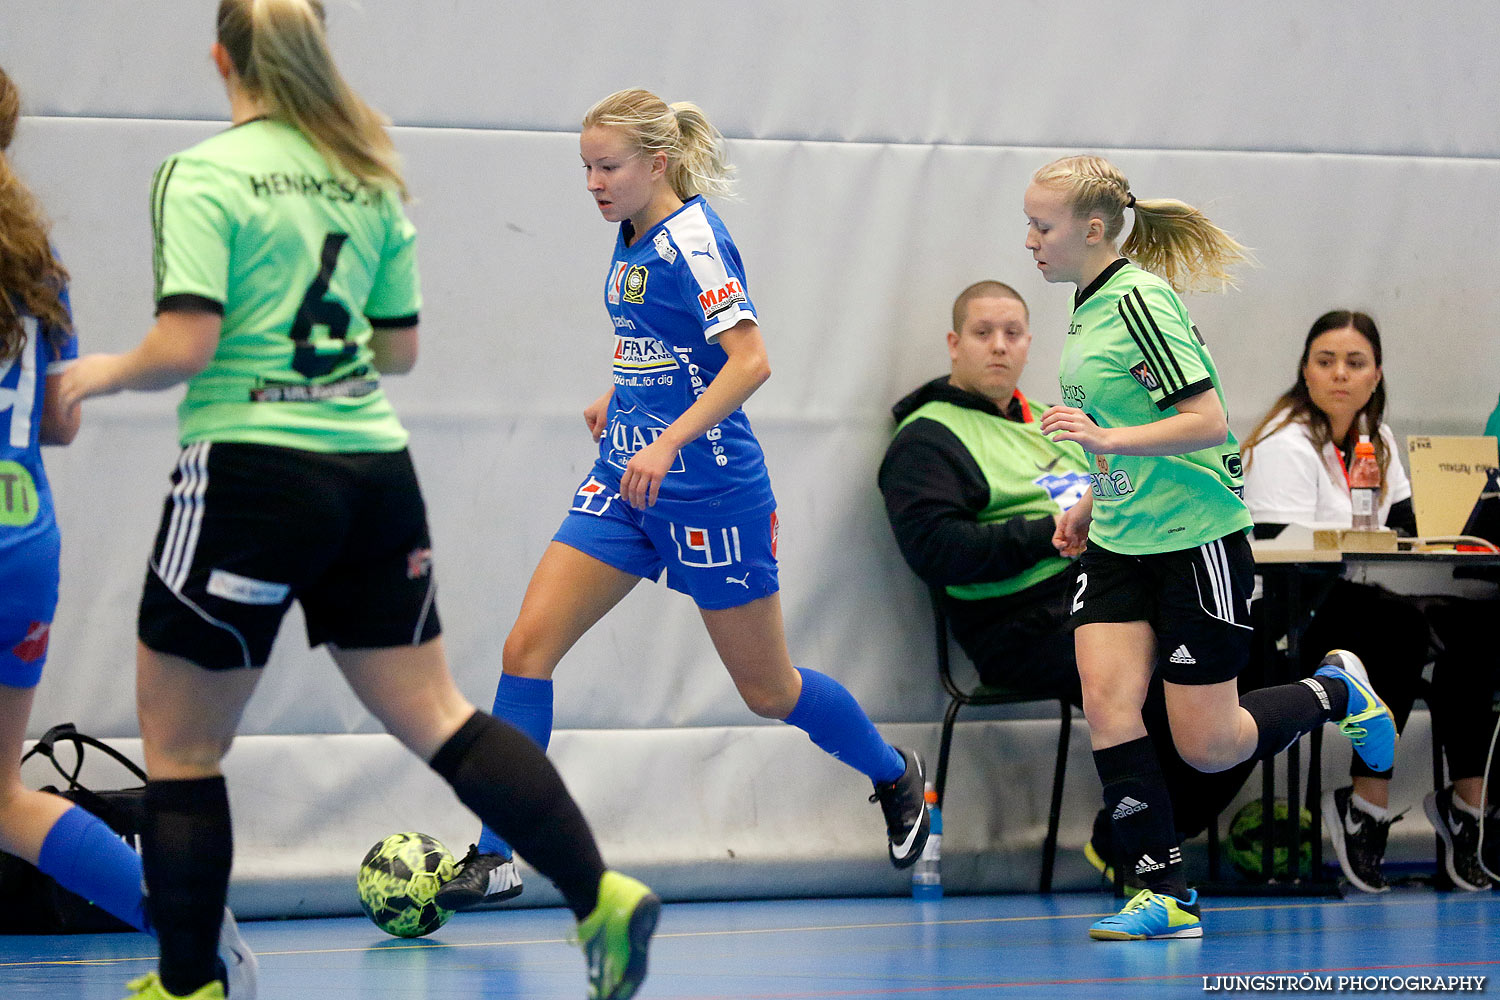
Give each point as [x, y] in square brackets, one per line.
[696, 159]
[1170, 238]
[31, 279]
[280, 51]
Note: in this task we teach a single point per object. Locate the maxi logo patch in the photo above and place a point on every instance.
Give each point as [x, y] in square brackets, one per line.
[1142, 374]
[616, 279]
[706, 548]
[643, 354]
[635, 284]
[593, 497]
[716, 300]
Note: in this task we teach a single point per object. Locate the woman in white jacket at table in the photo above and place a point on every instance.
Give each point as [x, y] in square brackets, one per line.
[1296, 463]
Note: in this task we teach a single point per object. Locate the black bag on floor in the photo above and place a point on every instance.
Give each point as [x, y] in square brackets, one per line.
[30, 902]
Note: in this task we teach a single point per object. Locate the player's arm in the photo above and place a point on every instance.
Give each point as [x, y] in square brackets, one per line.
[746, 370]
[1199, 423]
[395, 349]
[596, 414]
[179, 346]
[59, 422]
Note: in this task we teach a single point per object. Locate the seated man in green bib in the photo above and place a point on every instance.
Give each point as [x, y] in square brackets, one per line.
[973, 490]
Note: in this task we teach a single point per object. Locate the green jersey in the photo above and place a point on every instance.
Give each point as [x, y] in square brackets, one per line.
[1131, 354]
[302, 260]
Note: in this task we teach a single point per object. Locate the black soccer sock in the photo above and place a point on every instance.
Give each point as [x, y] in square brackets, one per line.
[1135, 793]
[1286, 711]
[187, 849]
[506, 779]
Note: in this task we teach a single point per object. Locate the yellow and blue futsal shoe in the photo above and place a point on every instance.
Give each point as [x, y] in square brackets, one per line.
[149, 987]
[1151, 915]
[1368, 722]
[615, 936]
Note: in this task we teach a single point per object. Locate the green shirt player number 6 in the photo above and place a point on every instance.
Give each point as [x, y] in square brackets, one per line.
[1131, 353]
[294, 366]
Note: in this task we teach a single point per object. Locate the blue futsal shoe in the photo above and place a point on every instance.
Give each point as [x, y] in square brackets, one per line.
[1151, 915]
[1368, 723]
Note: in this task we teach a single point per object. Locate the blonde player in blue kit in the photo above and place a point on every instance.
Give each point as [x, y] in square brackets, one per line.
[1165, 573]
[680, 483]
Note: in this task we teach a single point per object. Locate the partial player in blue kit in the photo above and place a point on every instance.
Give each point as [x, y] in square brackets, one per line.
[680, 485]
[37, 342]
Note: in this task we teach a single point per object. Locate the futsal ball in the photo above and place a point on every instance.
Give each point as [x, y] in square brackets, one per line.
[397, 882]
[1245, 847]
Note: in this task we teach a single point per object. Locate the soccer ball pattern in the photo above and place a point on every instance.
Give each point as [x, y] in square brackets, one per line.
[397, 881]
[1247, 837]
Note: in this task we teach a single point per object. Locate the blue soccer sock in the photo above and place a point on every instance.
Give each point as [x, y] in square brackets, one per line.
[84, 856]
[833, 720]
[526, 703]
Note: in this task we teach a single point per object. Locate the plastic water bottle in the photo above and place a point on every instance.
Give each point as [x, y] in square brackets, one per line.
[927, 876]
[1364, 486]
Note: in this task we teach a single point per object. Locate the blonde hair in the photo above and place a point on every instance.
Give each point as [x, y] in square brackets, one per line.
[280, 51]
[30, 277]
[696, 161]
[1169, 238]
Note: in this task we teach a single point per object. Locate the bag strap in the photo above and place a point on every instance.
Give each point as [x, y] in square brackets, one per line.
[68, 733]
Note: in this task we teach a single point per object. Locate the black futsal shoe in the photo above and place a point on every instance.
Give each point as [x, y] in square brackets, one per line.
[905, 806]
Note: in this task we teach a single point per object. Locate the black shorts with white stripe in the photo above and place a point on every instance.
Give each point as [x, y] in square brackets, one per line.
[1196, 600]
[249, 528]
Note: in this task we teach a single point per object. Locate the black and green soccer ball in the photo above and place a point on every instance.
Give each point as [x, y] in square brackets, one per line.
[397, 882]
[1245, 847]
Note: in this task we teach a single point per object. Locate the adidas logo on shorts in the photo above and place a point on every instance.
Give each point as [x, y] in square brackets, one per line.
[1181, 655]
[1128, 807]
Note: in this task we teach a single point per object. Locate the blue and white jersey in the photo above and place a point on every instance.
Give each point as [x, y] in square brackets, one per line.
[669, 296]
[28, 527]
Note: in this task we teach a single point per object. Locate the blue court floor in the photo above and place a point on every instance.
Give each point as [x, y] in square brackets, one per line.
[975, 946]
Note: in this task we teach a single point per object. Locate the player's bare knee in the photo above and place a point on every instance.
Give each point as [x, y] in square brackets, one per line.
[524, 655]
[768, 703]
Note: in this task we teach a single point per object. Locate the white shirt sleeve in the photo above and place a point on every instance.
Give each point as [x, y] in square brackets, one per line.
[1281, 482]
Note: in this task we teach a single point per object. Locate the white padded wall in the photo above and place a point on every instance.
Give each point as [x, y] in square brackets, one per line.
[883, 150]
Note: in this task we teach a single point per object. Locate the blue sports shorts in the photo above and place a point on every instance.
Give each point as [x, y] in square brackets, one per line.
[719, 566]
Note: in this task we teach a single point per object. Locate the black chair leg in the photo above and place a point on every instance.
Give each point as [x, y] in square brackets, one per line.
[945, 744]
[1054, 816]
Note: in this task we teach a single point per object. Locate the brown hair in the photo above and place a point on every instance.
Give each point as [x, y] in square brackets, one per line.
[696, 163]
[983, 290]
[1170, 238]
[1297, 404]
[31, 279]
[280, 51]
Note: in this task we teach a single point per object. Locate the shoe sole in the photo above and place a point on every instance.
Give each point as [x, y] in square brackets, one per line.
[1361, 676]
[1196, 931]
[467, 903]
[642, 925]
[1429, 806]
[1333, 825]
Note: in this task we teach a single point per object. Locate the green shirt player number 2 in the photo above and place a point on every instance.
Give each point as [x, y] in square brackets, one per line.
[1131, 353]
[294, 366]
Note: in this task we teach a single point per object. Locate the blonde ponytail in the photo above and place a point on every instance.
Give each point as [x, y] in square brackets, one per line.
[696, 160]
[281, 54]
[1170, 238]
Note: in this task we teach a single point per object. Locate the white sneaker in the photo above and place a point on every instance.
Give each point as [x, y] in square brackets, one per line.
[241, 969]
